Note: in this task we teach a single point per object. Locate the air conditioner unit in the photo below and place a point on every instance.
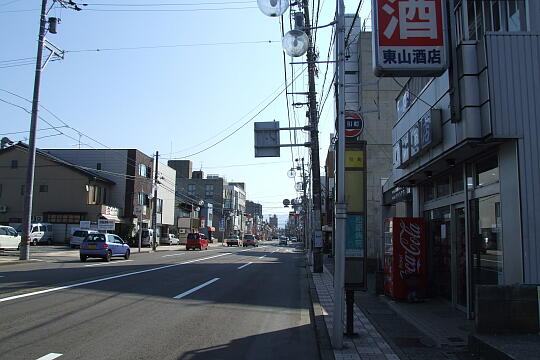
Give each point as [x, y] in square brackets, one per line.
[3, 208]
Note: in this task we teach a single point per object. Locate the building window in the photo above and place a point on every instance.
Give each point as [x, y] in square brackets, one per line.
[142, 199]
[159, 208]
[487, 247]
[22, 189]
[63, 218]
[14, 164]
[43, 188]
[98, 166]
[429, 192]
[191, 189]
[0, 190]
[482, 16]
[487, 171]
[208, 191]
[96, 195]
[457, 181]
[443, 186]
[143, 170]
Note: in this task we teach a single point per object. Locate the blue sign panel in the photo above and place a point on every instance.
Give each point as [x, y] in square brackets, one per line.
[354, 243]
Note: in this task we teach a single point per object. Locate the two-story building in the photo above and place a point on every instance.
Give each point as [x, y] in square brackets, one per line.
[64, 193]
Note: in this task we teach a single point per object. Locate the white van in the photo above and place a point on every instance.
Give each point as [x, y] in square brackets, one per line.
[9, 238]
[146, 239]
[40, 233]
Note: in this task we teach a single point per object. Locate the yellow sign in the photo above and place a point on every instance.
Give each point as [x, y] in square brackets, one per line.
[355, 191]
[354, 158]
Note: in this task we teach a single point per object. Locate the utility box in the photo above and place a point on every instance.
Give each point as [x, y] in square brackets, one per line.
[267, 139]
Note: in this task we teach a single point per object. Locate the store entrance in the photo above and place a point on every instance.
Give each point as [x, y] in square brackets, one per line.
[440, 252]
[460, 257]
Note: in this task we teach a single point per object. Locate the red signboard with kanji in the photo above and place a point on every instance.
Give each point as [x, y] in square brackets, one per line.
[410, 37]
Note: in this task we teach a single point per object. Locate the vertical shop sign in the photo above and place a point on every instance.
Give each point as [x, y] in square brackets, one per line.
[355, 193]
[409, 37]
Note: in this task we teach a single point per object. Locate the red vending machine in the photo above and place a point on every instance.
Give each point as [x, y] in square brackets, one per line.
[405, 258]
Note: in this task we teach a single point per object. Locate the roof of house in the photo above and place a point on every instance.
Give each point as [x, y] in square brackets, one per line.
[77, 168]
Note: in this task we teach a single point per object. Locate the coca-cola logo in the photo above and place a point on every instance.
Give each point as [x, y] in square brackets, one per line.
[409, 239]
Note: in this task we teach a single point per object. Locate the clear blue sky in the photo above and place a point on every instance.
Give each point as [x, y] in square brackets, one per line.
[178, 99]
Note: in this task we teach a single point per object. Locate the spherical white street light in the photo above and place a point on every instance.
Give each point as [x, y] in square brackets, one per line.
[273, 8]
[295, 43]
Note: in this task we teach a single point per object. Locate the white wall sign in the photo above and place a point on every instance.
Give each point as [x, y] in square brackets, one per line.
[84, 224]
[105, 224]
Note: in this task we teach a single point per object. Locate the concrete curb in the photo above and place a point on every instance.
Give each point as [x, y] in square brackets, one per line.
[324, 344]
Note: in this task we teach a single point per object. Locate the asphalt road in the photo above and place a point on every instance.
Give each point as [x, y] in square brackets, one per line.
[224, 303]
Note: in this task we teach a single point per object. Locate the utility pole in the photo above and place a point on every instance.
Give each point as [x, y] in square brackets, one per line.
[314, 140]
[155, 202]
[341, 206]
[24, 253]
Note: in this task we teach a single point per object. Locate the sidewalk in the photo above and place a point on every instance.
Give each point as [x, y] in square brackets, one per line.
[430, 330]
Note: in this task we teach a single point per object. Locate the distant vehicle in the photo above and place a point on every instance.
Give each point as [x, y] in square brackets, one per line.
[40, 233]
[146, 239]
[274, 237]
[196, 241]
[294, 239]
[233, 240]
[9, 238]
[78, 236]
[283, 240]
[249, 240]
[170, 239]
[103, 246]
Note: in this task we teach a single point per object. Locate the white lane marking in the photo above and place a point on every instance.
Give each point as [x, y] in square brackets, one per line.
[108, 263]
[172, 255]
[186, 293]
[107, 278]
[260, 257]
[243, 266]
[50, 356]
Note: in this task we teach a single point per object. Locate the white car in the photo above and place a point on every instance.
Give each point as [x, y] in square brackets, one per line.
[9, 238]
[78, 236]
[171, 239]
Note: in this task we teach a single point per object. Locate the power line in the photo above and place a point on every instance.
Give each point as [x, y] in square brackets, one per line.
[171, 10]
[176, 45]
[168, 4]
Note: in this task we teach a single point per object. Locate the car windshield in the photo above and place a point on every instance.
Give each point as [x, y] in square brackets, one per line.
[193, 236]
[80, 233]
[95, 238]
[234, 237]
[248, 237]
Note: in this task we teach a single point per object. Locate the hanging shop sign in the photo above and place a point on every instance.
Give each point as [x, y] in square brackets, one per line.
[409, 37]
[422, 136]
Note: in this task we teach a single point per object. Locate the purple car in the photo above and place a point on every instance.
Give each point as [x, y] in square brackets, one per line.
[103, 246]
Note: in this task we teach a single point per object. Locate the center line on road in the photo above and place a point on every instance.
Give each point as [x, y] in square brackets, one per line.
[195, 289]
[106, 278]
[108, 263]
[260, 257]
[243, 266]
[50, 356]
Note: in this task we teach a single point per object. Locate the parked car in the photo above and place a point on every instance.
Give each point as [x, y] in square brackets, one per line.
[78, 236]
[196, 241]
[170, 239]
[103, 246]
[40, 233]
[294, 239]
[274, 237]
[283, 240]
[233, 240]
[146, 239]
[249, 240]
[9, 238]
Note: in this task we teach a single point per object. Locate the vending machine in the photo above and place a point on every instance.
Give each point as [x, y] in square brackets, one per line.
[405, 276]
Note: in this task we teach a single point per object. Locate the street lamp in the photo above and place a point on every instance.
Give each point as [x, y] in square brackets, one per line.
[295, 43]
[273, 8]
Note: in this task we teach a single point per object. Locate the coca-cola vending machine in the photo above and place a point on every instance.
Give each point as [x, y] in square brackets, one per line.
[405, 258]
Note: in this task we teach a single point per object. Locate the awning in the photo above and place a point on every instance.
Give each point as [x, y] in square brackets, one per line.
[111, 217]
[211, 228]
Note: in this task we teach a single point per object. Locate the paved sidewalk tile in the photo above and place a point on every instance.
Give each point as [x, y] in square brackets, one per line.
[369, 345]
